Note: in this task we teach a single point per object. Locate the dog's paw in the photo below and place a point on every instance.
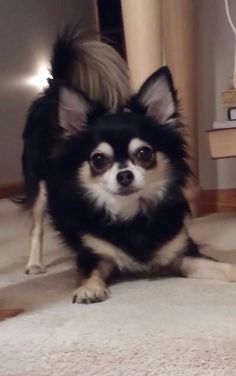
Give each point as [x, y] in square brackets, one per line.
[35, 269]
[91, 294]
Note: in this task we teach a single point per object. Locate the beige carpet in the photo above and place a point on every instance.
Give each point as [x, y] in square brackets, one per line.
[149, 327]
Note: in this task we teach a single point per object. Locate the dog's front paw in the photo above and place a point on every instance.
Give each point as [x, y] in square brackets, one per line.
[35, 269]
[91, 294]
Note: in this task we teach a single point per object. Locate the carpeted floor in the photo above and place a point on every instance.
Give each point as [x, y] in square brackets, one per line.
[149, 327]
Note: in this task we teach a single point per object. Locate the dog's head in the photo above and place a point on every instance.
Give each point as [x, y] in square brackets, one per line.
[128, 160]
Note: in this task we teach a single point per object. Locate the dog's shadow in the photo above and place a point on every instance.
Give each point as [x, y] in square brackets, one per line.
[38, 291]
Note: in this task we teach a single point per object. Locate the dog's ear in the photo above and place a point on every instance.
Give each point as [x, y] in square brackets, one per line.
[74, 108]
[158, 96]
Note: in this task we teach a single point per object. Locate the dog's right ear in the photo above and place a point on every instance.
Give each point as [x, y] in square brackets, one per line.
[74, 108]
[158, 97]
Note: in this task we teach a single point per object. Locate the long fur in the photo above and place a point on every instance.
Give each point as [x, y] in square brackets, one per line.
[86, 62]
[79, 60]
[114, 168]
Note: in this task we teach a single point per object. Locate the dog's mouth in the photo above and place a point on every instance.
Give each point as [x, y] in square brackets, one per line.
[126, 191]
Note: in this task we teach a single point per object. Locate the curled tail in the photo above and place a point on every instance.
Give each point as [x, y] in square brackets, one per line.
[92, 66]
[85, 62]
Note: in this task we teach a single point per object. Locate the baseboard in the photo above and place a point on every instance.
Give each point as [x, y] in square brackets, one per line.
[210, 201]
[11, 189]
[221, 200]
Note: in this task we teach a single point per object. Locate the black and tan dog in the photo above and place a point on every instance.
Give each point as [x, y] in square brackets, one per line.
[111, 169]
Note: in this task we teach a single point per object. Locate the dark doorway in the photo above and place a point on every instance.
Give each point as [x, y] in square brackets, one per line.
[110, 22]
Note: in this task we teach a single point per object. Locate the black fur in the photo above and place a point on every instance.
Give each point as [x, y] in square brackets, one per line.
[74, 212]
[55, 159]
[58, 160]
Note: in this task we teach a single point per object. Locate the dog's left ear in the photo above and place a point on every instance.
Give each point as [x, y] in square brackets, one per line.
[74, 108]
[158, 96]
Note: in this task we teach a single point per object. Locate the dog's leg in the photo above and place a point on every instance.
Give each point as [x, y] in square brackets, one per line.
[203, 268]
[192, 263]
[93, 288]
[34, 265]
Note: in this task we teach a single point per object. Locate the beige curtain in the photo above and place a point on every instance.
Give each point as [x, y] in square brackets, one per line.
[161, 32]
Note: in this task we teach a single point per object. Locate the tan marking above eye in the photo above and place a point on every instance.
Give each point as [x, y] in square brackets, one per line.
[137, 143]
[103, 148]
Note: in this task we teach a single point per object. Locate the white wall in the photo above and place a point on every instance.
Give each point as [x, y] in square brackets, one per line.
[215, 67]
[27, 31]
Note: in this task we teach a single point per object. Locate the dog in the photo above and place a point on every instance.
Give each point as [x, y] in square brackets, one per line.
[111, 168]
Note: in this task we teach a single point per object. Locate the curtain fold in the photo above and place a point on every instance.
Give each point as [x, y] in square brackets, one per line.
[179, 40]
[142, 28]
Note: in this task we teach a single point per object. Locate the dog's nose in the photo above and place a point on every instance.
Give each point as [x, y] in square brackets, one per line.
[124, 178]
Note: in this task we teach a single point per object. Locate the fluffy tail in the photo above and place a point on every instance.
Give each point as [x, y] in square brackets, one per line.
[91, 65]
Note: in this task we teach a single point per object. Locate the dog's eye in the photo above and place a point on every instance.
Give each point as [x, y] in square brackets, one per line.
[100, 161]
[144, 155]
